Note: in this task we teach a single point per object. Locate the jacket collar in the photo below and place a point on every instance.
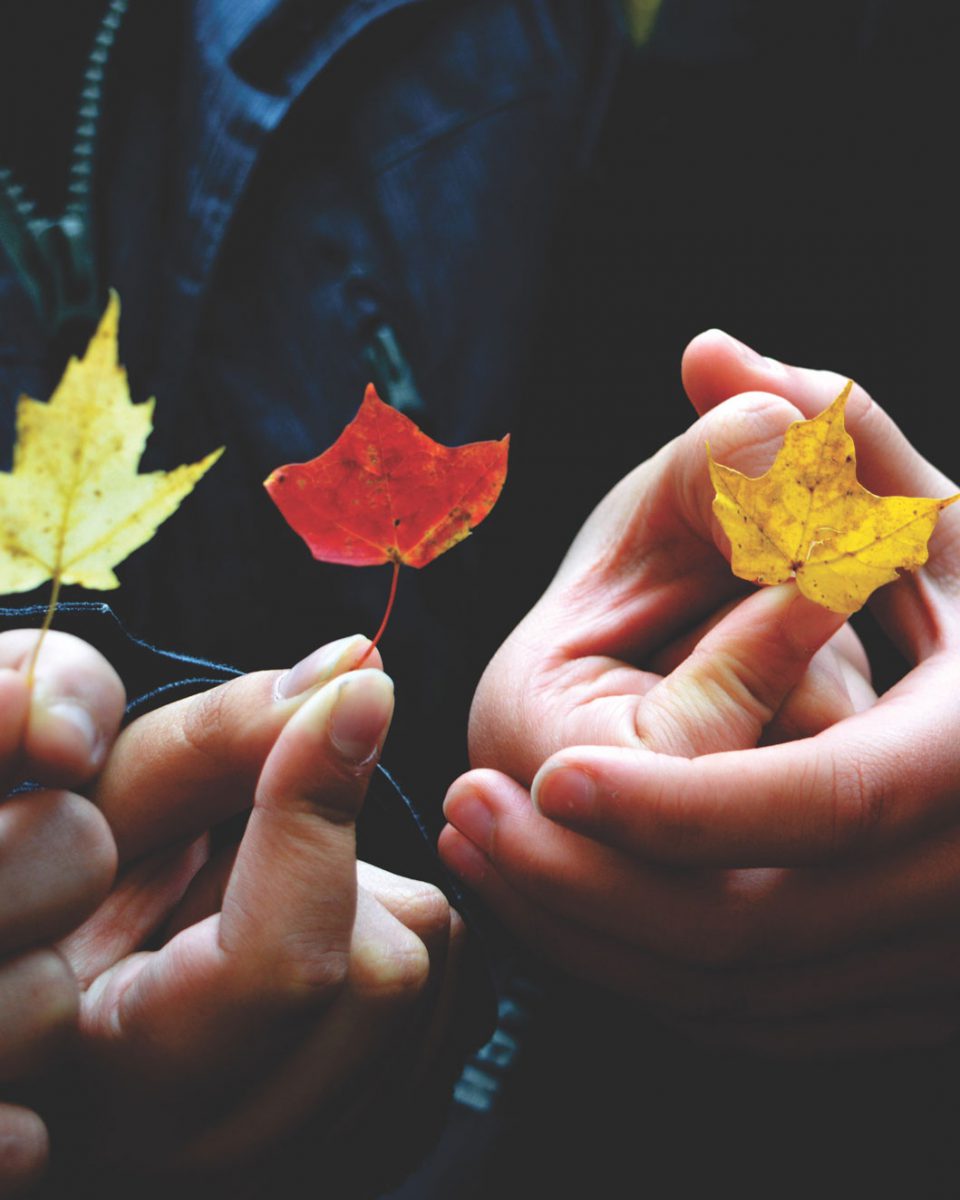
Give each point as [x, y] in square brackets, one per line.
[245, 63]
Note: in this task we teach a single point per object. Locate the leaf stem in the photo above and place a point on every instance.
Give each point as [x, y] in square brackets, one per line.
[47, 622]
[386, 616]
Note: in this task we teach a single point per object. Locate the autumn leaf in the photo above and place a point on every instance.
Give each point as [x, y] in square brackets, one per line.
[385, 492]
[73, 506]
[810, 519]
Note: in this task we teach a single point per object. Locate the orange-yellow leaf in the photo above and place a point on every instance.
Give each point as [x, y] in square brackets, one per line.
[810, 519]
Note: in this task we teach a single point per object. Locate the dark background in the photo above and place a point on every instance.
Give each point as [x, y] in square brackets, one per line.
[782, 171]
[785, 172]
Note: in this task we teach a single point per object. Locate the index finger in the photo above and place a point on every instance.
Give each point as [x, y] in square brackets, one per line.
[797, 802]
[179, 770]
[282, 941]
[716, 367]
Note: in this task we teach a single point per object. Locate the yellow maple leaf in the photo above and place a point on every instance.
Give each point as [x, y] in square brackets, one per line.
[73, 506]
[810, 519]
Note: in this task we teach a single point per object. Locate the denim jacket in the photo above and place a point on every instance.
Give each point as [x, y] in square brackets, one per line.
[292, 200]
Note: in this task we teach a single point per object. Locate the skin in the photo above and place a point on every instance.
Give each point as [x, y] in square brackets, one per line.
[232, 987]
[57, 862]
[262, 973]
[765, 855]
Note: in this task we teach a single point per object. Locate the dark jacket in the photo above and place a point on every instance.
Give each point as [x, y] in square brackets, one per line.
[292, 200]
[779, 170]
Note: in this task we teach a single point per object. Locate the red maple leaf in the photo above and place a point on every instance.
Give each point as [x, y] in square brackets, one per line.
[385, 492]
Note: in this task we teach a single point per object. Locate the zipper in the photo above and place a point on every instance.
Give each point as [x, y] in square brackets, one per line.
[55, 257]
[390, 372]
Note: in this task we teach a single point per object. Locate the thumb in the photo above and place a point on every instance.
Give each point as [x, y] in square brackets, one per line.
[643, 571]
[734, 681]
[716, 366]
[281, 944]
[645, 567]
[299, 847]
[181, 769]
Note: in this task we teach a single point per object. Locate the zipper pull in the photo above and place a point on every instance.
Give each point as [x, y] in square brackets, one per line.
[391, 373]
[53, 257]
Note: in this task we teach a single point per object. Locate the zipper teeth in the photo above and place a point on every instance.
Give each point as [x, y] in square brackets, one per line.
[80, 170]
[16, 194]
[83, 149]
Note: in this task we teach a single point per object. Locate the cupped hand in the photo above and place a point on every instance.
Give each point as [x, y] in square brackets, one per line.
[666, 875]
[57, 860]
[234, 990]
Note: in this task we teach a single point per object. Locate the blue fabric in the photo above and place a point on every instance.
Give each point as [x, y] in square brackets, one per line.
[326, 194]
[295, 199]
[785, 177]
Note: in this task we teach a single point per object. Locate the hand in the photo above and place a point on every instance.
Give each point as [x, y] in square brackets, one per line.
[283, 980]
[57, 860]
[671, 882]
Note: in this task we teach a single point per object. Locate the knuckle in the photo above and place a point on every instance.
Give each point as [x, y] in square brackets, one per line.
[675, 723]
[857, 801]
[205, 722]
[339, 785]
[731, 680]
[395, 969]
[310, 974]
[425, 911]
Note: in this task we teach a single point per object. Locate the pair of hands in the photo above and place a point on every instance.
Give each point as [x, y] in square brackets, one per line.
[731, 828]
[283, 980]
[800, 896]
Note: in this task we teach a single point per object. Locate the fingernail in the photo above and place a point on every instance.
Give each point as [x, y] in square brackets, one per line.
[320, 666]
[747, 353]
[80, 721]
[361, 714]
[750, 356]
[565, 794]
[466, 811]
